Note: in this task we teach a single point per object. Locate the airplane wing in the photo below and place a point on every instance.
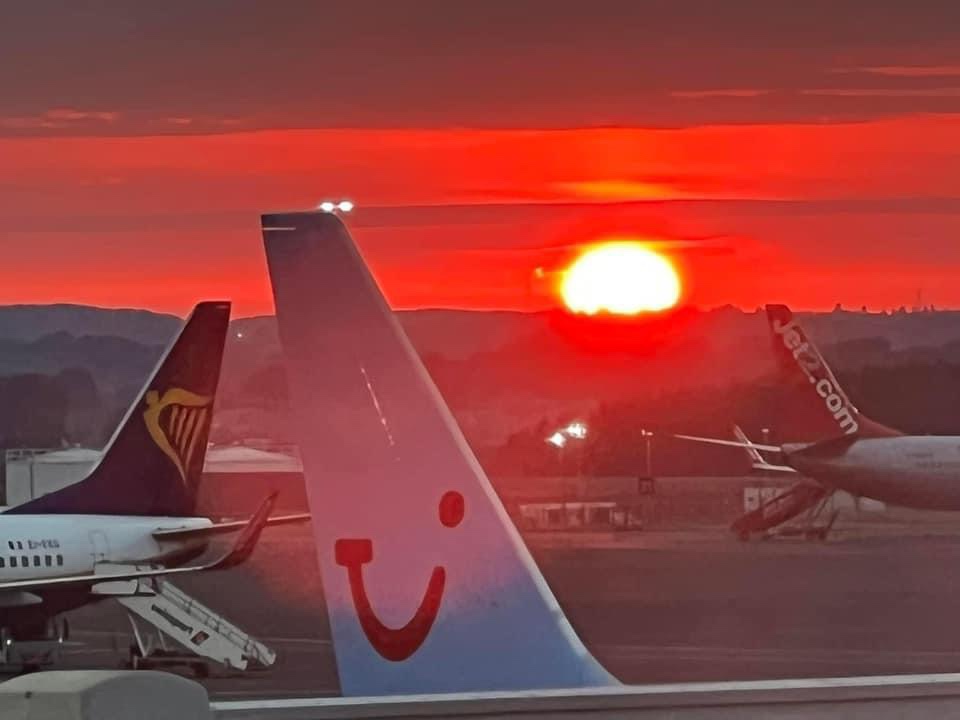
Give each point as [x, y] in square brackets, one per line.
[757, 461]
[770, 467]
[241, 549]
[731, 443]
[225, 527]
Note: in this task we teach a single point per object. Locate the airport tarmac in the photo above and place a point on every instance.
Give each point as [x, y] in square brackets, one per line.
[662, 606]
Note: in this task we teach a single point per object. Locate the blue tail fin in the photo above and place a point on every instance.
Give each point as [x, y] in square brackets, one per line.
[153, 462]
[428, 585]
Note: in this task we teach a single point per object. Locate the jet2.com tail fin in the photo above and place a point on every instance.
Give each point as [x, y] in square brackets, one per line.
[816, 407]
[428, 585]
[153, 463]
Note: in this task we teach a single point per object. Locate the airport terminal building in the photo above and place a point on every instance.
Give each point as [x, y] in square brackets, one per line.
[237, 477]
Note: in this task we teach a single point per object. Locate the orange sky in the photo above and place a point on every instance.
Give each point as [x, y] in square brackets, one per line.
[805, 156]
[813, 214]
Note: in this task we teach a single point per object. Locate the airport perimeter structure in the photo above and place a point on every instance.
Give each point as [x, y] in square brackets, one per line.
[106, 695]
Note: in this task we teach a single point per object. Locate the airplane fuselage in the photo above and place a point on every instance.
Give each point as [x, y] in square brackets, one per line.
[46, 546]
[911, 471]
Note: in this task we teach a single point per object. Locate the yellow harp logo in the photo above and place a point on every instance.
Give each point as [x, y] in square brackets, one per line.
[177, 430]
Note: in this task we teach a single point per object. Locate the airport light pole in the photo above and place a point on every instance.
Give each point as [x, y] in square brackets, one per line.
[647, 436]
[578, 431]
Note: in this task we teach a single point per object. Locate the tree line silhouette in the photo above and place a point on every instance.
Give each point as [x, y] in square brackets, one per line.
[920, 397]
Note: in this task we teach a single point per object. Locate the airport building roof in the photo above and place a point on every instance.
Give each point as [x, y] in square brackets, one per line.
[240, 459]
[222, 459]
[67, 456]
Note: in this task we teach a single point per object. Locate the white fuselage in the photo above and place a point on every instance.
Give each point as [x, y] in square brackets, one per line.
[911, 471]
[44, 546]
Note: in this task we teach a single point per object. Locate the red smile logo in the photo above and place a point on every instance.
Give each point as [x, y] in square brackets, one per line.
[396, 644]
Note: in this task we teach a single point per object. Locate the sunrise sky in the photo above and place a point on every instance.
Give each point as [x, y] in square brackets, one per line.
[801, 153]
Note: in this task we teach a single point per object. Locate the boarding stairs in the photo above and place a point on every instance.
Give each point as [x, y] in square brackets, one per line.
[173, 613]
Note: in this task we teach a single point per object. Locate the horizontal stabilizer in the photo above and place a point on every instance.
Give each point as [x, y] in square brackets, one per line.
[757, 461]
[752, 453]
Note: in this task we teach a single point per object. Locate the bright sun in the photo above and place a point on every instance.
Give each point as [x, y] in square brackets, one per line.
[624, 278]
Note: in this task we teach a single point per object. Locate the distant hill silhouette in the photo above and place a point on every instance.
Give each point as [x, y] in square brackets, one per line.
[509, 376]
[114, 361]
[50, 410]
[26, 323]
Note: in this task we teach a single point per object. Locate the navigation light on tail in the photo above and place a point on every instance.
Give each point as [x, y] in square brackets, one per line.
[428, 585]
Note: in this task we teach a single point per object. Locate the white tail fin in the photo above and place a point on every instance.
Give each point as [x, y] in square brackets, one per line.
[428, 585]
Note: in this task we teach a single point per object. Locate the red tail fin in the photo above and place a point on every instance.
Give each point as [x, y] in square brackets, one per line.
[816, 401]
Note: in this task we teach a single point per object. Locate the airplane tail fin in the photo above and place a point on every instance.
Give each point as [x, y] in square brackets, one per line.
[429, 587]
[818, 407]
[153, 462]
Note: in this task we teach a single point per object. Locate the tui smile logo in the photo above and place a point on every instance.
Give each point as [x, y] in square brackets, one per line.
[176, 422]
[397, 644]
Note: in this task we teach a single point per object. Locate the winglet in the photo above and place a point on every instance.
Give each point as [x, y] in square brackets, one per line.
[247, 539]
[752, 453]
[239, 552]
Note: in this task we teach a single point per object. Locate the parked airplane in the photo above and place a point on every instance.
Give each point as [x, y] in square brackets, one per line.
[429, 588]
[131, 518]
[853, 452]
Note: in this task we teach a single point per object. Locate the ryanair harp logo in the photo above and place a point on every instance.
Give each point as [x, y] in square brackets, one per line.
[176, 421]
